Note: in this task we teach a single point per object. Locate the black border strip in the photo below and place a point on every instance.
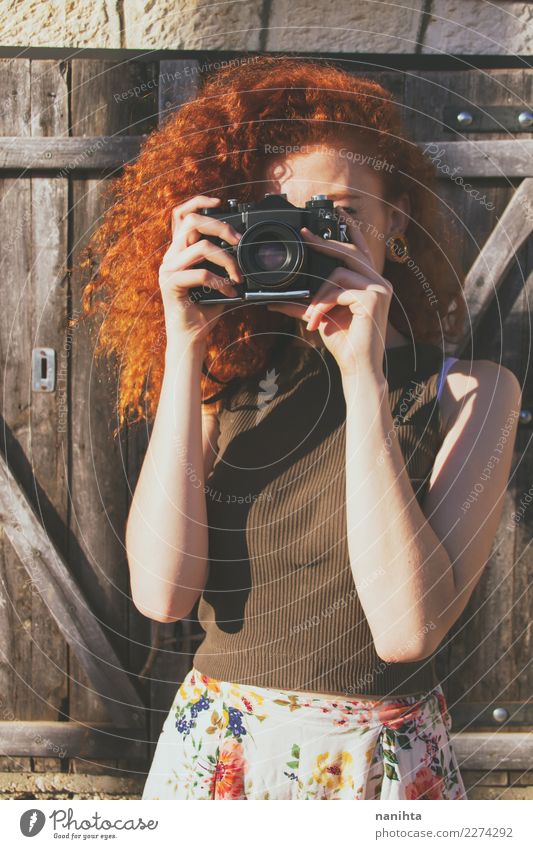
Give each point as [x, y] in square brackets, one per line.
[393, 61]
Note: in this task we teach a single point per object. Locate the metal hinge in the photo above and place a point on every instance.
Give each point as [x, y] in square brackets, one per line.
[43, 369]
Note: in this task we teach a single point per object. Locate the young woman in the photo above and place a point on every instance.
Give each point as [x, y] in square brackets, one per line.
[313, 503]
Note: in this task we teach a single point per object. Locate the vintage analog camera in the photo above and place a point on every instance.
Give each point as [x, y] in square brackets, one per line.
[274, 260]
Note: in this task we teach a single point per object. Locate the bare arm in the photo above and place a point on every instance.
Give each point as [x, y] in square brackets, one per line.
[166, 531]
[166, 534]
[432, 557]
[414, 567]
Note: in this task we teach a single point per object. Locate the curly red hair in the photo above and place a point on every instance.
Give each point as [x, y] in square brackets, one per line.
[214, 145]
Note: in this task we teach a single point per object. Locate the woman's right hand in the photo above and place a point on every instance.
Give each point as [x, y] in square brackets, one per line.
[177, 273]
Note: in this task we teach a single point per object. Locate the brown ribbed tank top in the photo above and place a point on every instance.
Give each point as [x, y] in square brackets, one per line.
[280, 608]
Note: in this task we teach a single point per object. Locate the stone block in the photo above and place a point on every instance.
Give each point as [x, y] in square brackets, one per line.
[468, 26]
[367, 27]
[186, 25]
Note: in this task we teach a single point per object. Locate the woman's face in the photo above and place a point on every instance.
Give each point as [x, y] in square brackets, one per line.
[354, 186]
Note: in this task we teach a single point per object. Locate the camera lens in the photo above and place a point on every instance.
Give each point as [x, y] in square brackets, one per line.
[270, 254]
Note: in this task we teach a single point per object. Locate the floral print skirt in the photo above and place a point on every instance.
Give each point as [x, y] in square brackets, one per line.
[223, 740]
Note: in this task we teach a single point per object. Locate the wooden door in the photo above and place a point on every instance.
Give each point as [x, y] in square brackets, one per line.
[68, 482]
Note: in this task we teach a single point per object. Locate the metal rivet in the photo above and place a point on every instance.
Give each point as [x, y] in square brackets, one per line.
[500, 714]
[525, 119]
[464, 118]
[525, 417]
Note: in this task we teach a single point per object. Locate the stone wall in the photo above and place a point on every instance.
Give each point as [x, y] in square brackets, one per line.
[499, 784]
[367, 26]
[496, 785]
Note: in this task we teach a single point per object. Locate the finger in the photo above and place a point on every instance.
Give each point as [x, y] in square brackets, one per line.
[357, 257]
[179, 281]
[192, 205]
[345, 278]
[201, 251]
[327, 286]
[194, 223]
[295, 310]
[340, 279]
[342, 297]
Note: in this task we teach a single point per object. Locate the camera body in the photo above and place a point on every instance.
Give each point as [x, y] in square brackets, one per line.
[274, 260]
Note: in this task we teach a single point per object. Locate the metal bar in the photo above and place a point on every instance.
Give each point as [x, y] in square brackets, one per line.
[481, 714]
[360, 61]
[465, 118]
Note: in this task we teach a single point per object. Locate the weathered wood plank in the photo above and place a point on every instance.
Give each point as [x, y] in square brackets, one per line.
[49, 415]
[476, 196]
[15, 344]
[496, 750]
[170, 657]
[70, 739]
[428, 93]
[178, 82]
[521, 520]
[522, 517]
[480, 159]
[70, 155]
[487, 272]
[476, 659]
[474, 750]
[50, 575]
[99, 483]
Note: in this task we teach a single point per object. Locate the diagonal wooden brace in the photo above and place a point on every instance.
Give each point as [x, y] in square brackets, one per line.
[488, 270]
[64, 599]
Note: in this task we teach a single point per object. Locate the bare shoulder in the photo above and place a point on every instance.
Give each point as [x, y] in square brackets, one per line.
[210, 416]
[209, 410]
[210, 436]
[479, 388]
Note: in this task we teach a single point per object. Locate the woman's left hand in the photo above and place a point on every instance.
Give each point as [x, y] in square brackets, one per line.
[351, 308]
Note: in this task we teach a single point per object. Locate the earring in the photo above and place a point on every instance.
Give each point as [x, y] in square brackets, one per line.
[397, 248]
